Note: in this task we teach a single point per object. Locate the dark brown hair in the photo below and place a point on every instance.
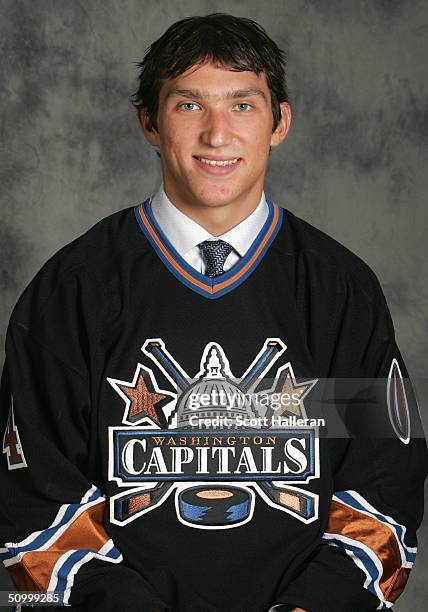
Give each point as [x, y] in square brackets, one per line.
[236, 42]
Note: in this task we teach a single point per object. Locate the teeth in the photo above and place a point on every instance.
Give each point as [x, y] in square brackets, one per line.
[211, 162]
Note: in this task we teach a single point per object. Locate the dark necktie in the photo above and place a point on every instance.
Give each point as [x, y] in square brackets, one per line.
[215, 253]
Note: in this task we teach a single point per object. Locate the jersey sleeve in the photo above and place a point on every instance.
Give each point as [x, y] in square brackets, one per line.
[369, 545]
[53, 536]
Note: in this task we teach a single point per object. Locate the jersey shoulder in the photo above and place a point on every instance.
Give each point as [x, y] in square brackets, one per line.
[109, 237]
[317, 253]
[80, 264]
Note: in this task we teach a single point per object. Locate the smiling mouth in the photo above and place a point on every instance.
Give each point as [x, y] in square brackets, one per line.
[215, 162]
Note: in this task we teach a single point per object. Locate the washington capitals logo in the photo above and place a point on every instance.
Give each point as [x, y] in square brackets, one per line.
[215, 440]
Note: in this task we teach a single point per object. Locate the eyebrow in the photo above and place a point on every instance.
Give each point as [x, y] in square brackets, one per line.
[196, 94]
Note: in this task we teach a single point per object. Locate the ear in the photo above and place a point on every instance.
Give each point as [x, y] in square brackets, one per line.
[151, 135]
[283, 125]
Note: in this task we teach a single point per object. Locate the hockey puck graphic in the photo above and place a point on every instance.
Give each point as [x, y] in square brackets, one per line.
[212, 506]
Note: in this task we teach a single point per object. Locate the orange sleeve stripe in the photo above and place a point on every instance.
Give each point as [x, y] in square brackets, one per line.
[34, 571]
[350, 523]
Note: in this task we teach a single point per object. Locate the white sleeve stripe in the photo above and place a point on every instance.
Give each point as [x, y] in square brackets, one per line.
[50, 540]
[387, 518]
[108, 552]
[362, 561]
[407, 553]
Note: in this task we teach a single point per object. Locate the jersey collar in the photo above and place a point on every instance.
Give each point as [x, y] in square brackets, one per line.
[185, 234]
[215, 287]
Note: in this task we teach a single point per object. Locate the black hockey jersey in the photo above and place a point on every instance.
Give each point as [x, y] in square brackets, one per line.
[162, 431]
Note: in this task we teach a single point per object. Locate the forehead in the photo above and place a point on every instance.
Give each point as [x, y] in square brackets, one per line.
[215, 81]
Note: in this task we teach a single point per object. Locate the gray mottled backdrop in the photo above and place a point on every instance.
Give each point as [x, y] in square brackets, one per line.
[354, 163]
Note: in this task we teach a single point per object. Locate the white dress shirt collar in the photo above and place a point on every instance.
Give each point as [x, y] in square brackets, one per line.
[185, 234]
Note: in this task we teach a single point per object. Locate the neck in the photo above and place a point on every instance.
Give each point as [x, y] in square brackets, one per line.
[217, 219]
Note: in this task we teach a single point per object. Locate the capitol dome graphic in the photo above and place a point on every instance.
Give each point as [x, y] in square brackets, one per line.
[214, 393]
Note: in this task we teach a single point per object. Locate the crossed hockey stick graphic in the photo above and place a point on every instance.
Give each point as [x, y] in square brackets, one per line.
[289, 498]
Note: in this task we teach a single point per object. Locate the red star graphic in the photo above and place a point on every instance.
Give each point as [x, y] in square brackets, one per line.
[142, 399]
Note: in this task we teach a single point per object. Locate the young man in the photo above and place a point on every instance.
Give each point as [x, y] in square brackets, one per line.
[133, 476]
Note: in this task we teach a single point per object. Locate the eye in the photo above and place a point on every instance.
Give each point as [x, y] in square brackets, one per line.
[189, 106]
[243, 106]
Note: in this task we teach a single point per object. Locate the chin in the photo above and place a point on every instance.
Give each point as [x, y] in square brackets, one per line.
[215, 196]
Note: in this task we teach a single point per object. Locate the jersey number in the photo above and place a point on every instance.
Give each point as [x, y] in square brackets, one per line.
[12, 443]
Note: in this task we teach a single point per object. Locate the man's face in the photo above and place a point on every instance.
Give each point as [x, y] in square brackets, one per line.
[214, 133]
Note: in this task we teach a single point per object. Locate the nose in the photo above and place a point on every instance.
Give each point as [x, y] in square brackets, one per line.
[217, 131]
